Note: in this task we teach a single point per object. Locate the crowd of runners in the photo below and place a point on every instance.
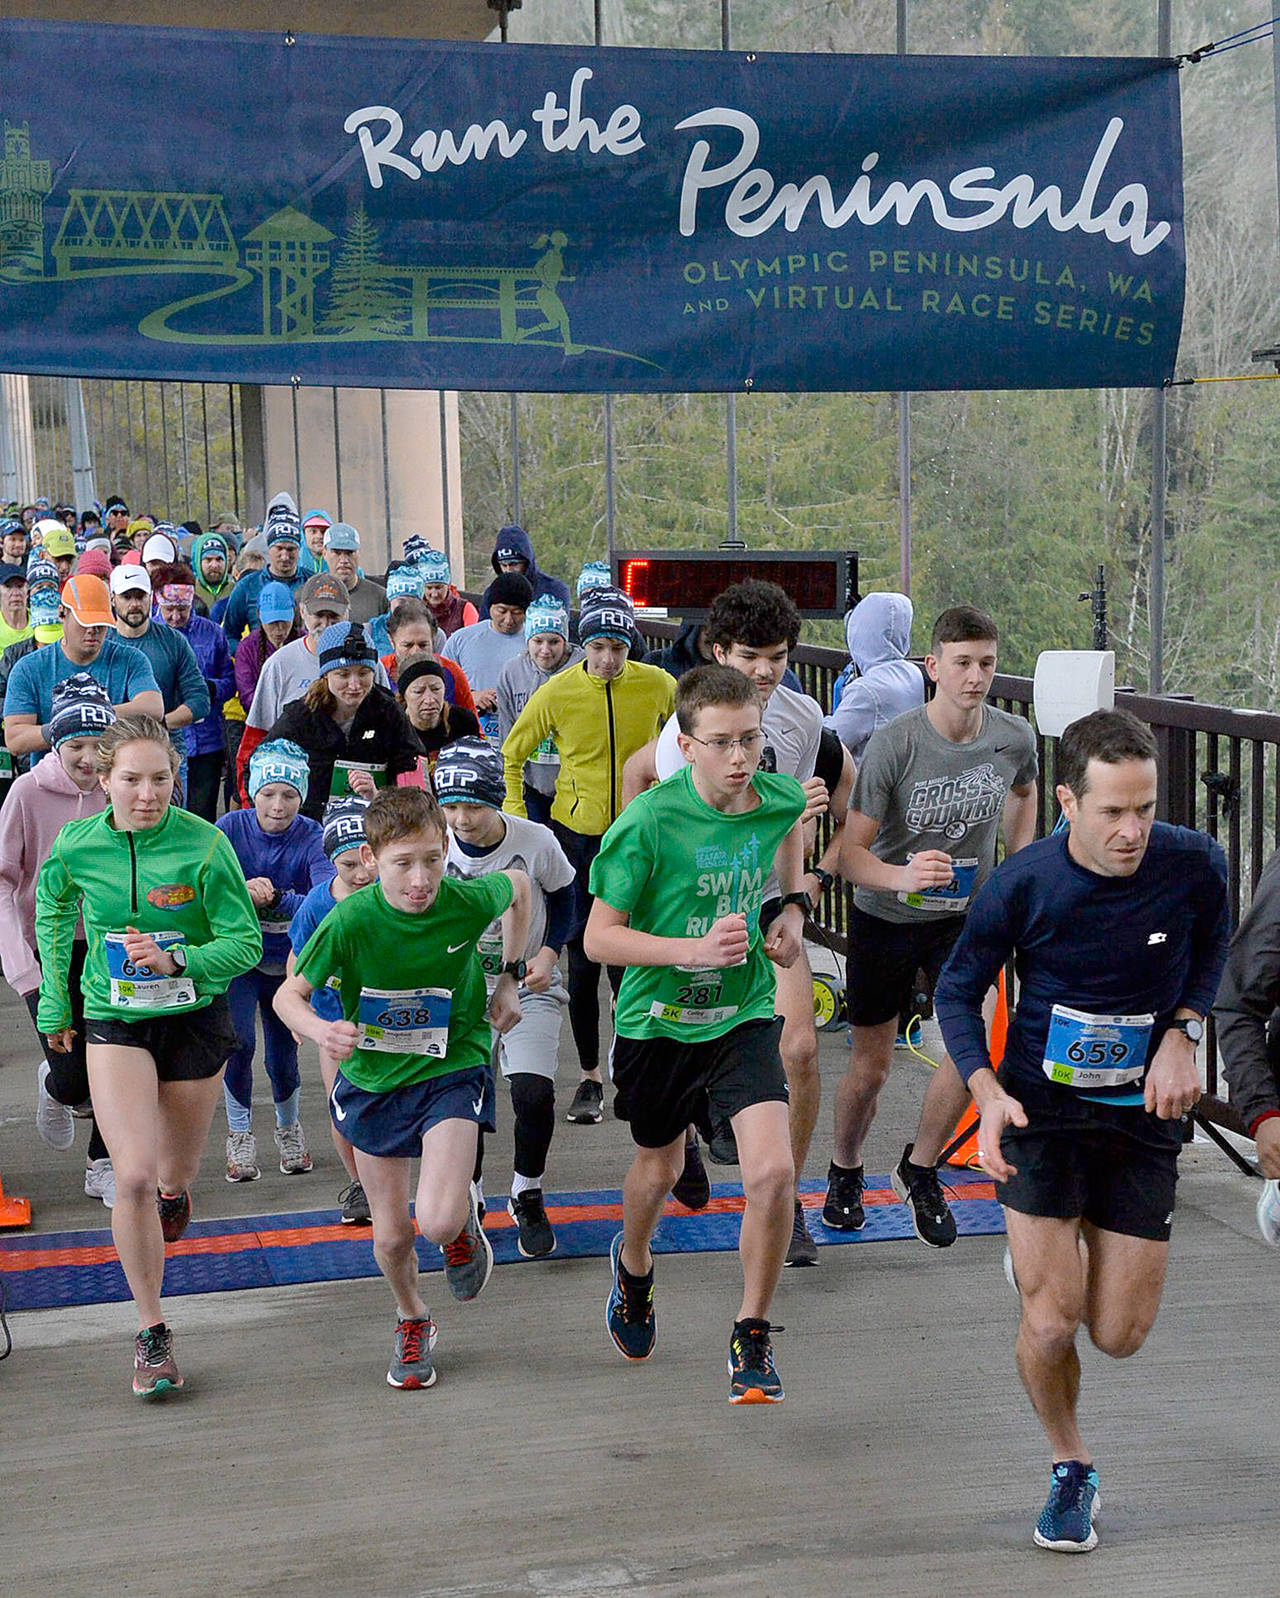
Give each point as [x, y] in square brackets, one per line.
[245, 778]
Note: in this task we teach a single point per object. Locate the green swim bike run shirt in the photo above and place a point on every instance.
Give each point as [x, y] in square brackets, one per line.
[675, 865]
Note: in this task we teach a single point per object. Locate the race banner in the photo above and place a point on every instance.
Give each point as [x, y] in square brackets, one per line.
[271, 208]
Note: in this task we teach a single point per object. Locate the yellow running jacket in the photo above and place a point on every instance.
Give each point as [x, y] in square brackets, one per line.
[596, 725]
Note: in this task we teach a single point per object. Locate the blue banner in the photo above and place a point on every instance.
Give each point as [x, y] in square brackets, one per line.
[261, 208]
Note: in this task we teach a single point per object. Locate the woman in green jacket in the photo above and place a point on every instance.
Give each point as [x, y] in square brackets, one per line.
[168, 923]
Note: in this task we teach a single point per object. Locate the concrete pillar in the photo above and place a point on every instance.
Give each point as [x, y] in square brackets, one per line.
[368, 456]
[17, 441]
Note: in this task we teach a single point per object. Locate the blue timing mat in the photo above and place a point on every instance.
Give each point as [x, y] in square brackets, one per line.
[42, 1272]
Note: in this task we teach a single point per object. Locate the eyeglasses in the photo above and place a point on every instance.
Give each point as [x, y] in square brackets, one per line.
[748, 743]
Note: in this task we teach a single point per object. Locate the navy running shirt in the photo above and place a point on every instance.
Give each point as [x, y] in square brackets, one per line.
[1116, 946]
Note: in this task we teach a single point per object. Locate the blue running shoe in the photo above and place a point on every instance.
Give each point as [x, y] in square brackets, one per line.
[753, 1378]
[1066, 1521]
[629, 1312]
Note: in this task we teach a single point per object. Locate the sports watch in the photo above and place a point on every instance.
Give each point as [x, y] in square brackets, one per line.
[1191, 1027]
[515, 968]
[178, 954]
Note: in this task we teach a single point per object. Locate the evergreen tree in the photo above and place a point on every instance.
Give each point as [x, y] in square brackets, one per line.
[361, 304]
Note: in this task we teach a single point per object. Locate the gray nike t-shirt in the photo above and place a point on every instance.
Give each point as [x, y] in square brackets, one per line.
[929, 793]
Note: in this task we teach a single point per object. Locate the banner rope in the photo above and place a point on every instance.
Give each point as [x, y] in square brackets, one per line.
[1233, 41]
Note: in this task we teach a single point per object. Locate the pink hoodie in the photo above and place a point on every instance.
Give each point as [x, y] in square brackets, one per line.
[40, 803]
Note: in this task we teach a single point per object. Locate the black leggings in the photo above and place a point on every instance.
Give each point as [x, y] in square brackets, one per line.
[533, 1109]
[204, 783]
[584, 974]
[68, 1073]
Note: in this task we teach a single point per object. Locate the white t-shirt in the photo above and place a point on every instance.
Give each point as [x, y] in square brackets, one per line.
[792, 726]
[529, 847]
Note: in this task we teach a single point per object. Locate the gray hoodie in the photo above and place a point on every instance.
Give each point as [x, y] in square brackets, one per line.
[1247, 998]
[878, 633]
[517, 680]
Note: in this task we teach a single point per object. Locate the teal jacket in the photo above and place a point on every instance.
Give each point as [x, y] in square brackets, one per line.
[180, 876]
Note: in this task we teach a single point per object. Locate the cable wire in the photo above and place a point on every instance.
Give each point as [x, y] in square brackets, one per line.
[1233, 41]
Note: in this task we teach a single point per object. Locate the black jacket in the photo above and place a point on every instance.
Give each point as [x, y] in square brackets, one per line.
[381, 734]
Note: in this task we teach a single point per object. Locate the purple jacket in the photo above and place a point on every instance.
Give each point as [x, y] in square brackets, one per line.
[209, 644]
[293, 862]
[252, 654]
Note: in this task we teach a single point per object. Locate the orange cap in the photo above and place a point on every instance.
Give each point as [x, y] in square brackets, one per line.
[86, 597]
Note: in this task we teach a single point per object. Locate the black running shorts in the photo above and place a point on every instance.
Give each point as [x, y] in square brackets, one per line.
[664, 1086]
[185, 1048]
[1114, 1165]
[884, 957]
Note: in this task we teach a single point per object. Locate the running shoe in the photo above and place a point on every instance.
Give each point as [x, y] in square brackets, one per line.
[919, 1188]
[1066, 1521]
[175, 1214]
[753, 1377]
[242, 1157]
[587, 1108]
[692, 1188]
[801, 1250]
[100, 1182]
[411, 1368]
[83, 1111]
[629, 1312]
[54, 1122]
[468, 1260]
[843, 1210]
[1010, 1275]
[154, 1371]
[1269, 1213]
[534, 1237]
[909, 1037]
[722, 1148]
[355, 1206]
[294, 1158]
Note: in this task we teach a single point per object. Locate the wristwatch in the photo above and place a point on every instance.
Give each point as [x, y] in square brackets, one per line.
[1191, 1027]
[178, 954]
[515, 968]
[825, 879]
[802, 899]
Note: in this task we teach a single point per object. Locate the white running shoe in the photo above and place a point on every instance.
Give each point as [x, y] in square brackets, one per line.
[242, 1157]
[54, 1121]
[1269, 1214]
[294, 1158]
[1010, 1275]
[100, 1182]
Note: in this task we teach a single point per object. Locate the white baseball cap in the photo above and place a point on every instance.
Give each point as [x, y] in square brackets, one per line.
[129, 579]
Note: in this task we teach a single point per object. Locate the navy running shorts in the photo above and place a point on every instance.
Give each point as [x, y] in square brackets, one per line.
[393, 1124]
[1113, 1165]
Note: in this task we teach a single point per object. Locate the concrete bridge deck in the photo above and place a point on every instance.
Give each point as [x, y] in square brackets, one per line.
[904, 1461]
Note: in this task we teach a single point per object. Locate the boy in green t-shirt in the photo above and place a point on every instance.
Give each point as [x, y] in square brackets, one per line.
[678, 883]
[414, 1078]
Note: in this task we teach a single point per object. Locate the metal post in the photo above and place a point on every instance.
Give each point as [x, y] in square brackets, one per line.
[386, 469]
[731, 407]
[444, 474]
[610, 464]
[610, 479]
[337, 458]
[17, 444]
[83, 492]
[515, 459]
[904, 408]
[1159, 463]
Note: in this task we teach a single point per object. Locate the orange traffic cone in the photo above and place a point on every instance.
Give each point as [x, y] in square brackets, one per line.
[14, 1211]
[962, 1151]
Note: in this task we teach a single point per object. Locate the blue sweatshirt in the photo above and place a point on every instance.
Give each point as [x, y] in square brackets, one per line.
[1108, 946]
[293, 861]
[326, 1002]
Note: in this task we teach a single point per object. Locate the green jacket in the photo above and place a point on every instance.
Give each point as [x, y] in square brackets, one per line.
[180, 876]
